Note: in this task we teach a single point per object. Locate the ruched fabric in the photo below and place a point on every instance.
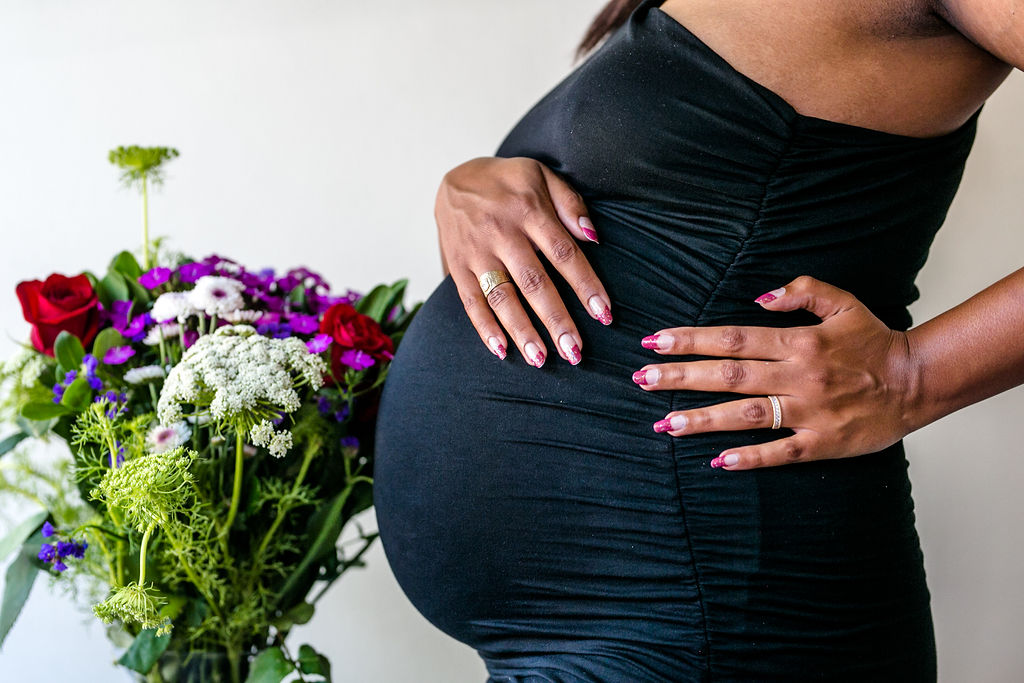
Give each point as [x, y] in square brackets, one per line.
[535, 515]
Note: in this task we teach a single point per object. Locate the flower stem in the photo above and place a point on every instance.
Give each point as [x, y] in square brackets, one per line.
[236, 491]
[142, 553]
[145, 224]
[282, 509]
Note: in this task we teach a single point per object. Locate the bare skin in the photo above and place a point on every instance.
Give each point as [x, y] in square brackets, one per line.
[849, 385]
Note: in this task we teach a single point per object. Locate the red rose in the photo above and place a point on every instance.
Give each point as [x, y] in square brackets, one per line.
[350, 329]
[60, 303]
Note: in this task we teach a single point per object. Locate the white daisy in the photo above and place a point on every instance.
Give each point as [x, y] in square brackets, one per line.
[243, 316]
[162, 439]
[216, 295]
[162, 331]
[173, 306]
[146, 373]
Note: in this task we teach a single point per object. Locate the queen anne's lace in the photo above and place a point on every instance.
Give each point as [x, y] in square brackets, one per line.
[241, 377]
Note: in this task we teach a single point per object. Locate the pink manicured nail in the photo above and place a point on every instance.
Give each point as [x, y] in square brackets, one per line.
[660, 342]
[646, 377]
[600, 309]
[535, 355]
[730, 459]
[588, 229]
[717, 462]
[770, 296]
[670, 424]
[497, 348]
[571, 349]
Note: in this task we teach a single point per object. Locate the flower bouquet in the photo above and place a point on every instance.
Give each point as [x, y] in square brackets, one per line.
[220, 423]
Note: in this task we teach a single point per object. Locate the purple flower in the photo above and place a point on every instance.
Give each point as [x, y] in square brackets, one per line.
[349, 442]
[79, 551]
[59, 566]
[356, 359]
[190, 338]
[304, 324]
[58, 393]
[136, 329]
[65, 548]
[118, 355]
[190, 272]
[95, 382]
[90, 363]
[118, 313]
[155, 277]
[47, 552]
[114, 464]
[47, 530]
[319, 343]
[323, 404]
[70, 377]
[341, 414]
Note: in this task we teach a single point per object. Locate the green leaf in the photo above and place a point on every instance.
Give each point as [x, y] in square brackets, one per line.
[78, 395]
[375, 303]
[106, 340]
[144, 651]
[67, 348]
[8, 444]
[19, 533]
[42, 410]
[33, 427]
[312, 662]
[300, 614]
[297, 297]
[325, 526]
[18, 584]
[112, 288]
[270, 666]
[126, 264]
[138, 292]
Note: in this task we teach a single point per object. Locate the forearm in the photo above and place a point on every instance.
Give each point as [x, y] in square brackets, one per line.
[969, 353]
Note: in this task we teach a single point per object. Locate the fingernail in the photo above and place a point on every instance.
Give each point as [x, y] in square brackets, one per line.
[646, 377]
[770, 296]
[670, 424]
[717, 462]
[572, 350]
[588, 229]
[535, 355]
[730, 459]
[497, 348]
[660, 342]
[600, 309]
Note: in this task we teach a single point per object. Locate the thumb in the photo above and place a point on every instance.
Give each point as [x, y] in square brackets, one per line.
[820, 298]
[569, 206]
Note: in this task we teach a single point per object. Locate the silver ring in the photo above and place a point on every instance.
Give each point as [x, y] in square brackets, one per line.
[491, 279]
[776, 412]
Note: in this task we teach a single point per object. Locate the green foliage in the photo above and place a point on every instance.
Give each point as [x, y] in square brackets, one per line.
[68, 350]
[106, 340]
[270, 666]
[138, 163]
[312, 662]
[145, 650]
[21, 574]
[18, 534]
[381, 299]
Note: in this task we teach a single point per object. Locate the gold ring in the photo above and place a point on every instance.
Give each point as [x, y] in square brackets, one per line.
[776, 412]
[493, 278]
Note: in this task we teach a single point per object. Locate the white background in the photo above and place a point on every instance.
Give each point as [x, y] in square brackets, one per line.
[316, 133]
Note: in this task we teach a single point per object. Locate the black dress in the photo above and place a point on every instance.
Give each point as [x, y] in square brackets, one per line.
[534, 513]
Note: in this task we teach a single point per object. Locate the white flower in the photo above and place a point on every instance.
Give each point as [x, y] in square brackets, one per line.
[216, 295]
[163, 439]
[160, 332]
[173, 306]
[144, 374]
[243, 316]
[239, 375]
[278, 443]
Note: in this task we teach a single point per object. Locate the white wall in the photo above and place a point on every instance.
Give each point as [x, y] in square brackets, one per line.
[316, 132]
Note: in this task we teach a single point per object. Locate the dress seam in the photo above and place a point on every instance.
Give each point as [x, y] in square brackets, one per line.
[759, 216]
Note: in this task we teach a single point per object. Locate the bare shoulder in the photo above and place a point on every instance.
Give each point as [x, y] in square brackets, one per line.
[997, 26]
[912, 67]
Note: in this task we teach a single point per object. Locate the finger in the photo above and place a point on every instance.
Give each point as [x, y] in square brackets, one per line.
[504, 302]
[820, 298]
[565, 255]
[479, 312]
[569, 206]
[736, 341]
[737, 376]
[792, 449]
[747, 413]
[549, 235]
[544, 299]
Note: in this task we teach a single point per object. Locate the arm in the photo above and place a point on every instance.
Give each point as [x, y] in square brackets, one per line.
[969, 353]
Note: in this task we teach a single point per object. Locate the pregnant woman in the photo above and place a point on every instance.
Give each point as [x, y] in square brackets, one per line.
[707, 482]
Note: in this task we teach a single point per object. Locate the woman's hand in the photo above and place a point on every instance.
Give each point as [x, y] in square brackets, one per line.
[493, 213]
[845, 386]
